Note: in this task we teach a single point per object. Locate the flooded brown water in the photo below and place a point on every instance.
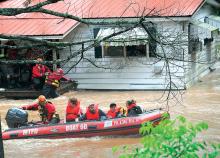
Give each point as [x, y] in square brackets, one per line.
[199, 103]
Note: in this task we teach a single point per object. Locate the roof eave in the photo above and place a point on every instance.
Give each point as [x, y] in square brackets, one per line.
[58, 37]
[70, 30]
[200, 6]
[47, 37]
[133, 19]
[112, 19]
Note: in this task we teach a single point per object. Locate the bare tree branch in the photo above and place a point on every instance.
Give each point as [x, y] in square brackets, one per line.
[16, 11]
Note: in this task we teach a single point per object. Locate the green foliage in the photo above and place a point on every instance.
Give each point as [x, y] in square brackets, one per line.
[172, 139]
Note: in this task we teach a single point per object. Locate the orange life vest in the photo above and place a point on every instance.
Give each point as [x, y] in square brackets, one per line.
[113, 114]
[73, 112]
[91, 116]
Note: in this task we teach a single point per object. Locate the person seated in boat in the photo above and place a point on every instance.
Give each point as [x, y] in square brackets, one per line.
[115, 111]
[73, 110]
[38, 74]
[132, 108]
[46, 109]
[94, 113]
[52, 82]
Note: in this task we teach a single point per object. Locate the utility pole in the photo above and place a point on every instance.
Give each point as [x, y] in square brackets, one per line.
[1, 141]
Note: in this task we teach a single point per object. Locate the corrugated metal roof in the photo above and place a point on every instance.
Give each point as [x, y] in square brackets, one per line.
[36, 27]
[41, 24]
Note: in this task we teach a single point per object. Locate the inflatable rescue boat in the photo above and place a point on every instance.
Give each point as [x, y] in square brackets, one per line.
[110, 127]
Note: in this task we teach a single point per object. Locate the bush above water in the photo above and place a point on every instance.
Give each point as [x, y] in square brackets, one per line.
[173, 139]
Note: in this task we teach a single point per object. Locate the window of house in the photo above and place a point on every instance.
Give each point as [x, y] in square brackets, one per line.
[128, 51]
[124, 51]
[139, 50]
[97, 49]
[126, 48]
[112, 51]
[195, 45]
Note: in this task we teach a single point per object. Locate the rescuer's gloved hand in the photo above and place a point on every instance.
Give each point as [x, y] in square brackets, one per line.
[23, 108]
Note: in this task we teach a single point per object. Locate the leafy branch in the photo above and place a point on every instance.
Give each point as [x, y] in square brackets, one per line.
[173, 139]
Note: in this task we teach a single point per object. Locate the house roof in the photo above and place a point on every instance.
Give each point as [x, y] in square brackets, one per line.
[36, 27]
[39, 24]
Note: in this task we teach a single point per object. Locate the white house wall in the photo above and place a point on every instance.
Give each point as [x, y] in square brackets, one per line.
[176, 35]
[202, 60]
[119, 73]
[216, 23]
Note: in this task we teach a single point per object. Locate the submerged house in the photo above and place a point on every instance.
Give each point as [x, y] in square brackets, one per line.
[176, 42]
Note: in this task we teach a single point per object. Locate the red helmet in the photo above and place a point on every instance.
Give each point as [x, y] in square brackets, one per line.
[60, 71]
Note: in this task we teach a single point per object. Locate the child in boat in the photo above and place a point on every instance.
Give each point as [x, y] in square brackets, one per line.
[73, 110]
[132, 108]
[94, 113]
[115, 111]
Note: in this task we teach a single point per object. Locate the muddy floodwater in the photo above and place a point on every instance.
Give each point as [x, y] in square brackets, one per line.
[199, 103]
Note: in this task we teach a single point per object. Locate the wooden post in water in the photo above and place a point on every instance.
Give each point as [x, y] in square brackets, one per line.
[1, 141]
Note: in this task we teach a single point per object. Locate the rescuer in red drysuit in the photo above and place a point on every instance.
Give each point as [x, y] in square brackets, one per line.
[52, 82]
[38, 74]
[46, 109]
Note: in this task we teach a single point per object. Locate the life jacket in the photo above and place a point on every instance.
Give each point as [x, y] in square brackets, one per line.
[91, 116]
[123, 111]
[73, 112]
[53, 79]
[131, 106]
[113, 114]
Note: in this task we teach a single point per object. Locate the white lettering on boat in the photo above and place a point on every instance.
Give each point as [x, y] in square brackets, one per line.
[83, 126]
[125, 121]
[76, 127]
[107, 124]
[33, 131]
